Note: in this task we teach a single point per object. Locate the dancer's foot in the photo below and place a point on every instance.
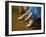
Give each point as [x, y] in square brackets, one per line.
[30, 23]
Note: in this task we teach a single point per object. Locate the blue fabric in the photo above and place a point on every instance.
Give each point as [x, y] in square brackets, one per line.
[36, 12]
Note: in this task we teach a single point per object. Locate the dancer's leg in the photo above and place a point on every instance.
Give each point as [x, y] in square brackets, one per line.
[28, 16]
[23, 15]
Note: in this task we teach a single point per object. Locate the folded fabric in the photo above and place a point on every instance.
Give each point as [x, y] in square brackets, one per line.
[35, 12]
